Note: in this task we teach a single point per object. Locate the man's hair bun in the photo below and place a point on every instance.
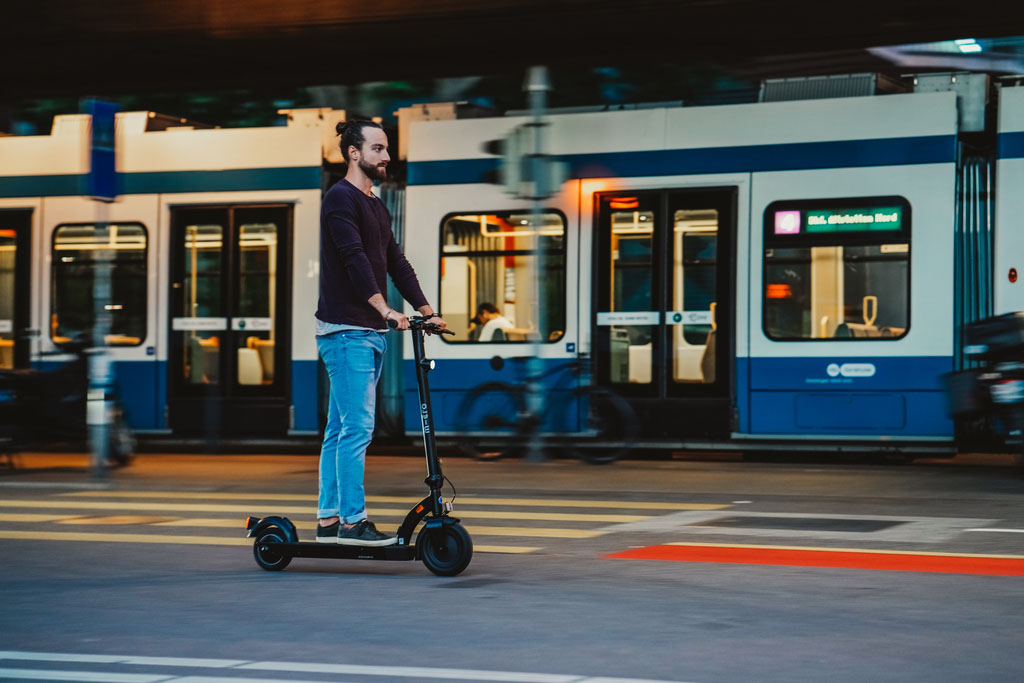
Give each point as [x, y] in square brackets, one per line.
[351, 133]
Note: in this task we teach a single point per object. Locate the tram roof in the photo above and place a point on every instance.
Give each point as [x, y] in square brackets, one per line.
[66, 47]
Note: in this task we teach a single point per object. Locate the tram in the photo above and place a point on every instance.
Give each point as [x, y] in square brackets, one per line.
[213, 247]
[788, 273]
[749, 275]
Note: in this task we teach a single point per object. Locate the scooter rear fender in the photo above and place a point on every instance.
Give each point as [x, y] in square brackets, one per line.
[256, 526]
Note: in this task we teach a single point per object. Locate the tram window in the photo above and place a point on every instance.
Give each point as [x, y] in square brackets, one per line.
[694, 295]
[487, 274]
[77, 251]
[837, 270]
[257, 301]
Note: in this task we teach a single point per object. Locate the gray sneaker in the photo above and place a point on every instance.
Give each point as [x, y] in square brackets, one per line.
[327, 534]
[364, 533]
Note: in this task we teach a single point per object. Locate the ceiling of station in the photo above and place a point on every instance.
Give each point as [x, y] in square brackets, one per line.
[71, 47]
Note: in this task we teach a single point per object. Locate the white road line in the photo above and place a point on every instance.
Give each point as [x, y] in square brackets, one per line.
[232, 679]
[413, 672]
[999, 531]
[84, 676]
[280, 667]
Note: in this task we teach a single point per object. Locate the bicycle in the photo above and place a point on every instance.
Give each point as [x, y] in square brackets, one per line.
[43, 408]
[495, 420]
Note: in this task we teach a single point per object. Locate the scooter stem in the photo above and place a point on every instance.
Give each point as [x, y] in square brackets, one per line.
[435, 479]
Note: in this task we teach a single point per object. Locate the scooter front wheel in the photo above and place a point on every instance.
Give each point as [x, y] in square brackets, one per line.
[445, 550]
[267, 555]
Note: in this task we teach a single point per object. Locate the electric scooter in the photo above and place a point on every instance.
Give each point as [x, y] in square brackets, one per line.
[442, 544]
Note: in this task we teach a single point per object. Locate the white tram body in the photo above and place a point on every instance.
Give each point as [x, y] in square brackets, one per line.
[744, 274]
[1009, 243]
[214, 244]
[811, 243]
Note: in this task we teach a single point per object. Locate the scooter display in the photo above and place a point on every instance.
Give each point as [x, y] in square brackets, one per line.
[442, 544]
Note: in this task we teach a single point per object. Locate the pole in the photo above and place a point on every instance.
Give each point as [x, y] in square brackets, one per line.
[100, 370]
[537, 86]
[102, 186]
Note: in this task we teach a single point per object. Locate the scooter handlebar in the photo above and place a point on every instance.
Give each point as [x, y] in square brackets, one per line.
[419, 323]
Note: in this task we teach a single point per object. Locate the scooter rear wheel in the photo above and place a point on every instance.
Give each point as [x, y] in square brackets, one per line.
[445, 550]
[267, 556]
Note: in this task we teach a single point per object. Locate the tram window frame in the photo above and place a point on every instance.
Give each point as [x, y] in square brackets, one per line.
[838, 238]
[54, 265]
[558, 325]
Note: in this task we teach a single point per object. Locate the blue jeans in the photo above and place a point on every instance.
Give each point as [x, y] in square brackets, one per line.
[354, 359]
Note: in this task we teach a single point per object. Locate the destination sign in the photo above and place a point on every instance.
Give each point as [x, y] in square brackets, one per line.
[821, 221]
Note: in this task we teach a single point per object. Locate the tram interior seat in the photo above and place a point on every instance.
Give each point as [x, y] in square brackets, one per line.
[851, 330]
[694, 363]
[640, 363]
[516, 334]
[708, 361]
[265, 349]
[687, 365]
[250, 371]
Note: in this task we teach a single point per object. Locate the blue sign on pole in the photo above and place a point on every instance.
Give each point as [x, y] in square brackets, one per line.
[102, 178]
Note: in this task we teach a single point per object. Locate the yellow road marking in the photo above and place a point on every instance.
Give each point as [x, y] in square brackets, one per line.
[845, 550]
[538, 532]
[466, 500]
[213, 523]
[121, 538]
[114, 520]
[304, 510]
[190, 540]
[28, 517]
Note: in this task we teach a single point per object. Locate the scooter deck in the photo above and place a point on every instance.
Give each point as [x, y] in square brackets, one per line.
[347, 552]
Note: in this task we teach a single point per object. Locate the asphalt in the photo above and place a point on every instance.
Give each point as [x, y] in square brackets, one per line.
[614, 590]
[402, 469]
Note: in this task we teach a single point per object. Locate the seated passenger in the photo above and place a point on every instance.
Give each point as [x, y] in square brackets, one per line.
[488, 316]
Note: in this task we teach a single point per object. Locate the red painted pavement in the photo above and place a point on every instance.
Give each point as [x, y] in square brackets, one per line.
[844, 559]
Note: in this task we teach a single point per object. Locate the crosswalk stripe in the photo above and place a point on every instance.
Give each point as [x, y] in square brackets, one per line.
[221, 523]
[305, 510]
[192, 540]
[528, 531]
[28, 517]
[468, 500]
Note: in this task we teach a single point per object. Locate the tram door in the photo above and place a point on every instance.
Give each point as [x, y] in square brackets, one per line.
[230, 293]
[664, 306]
[15, 260]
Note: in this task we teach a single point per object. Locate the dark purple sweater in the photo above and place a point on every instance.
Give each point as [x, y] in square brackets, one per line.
[357, 253]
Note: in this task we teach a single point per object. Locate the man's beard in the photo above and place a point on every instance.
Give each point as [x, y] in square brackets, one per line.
[373, 172]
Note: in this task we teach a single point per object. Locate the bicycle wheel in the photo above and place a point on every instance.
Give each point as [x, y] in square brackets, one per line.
[490, 421]
[609, 426]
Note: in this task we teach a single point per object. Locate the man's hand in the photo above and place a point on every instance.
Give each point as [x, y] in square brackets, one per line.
[432, 318]
[399, 318]
[439, 321]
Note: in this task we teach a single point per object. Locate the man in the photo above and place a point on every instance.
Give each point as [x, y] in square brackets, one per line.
[491, 319]
[357, 253]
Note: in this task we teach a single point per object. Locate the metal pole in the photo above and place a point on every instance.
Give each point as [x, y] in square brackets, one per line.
[537, 86]
[102, 184]
[100, 370]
